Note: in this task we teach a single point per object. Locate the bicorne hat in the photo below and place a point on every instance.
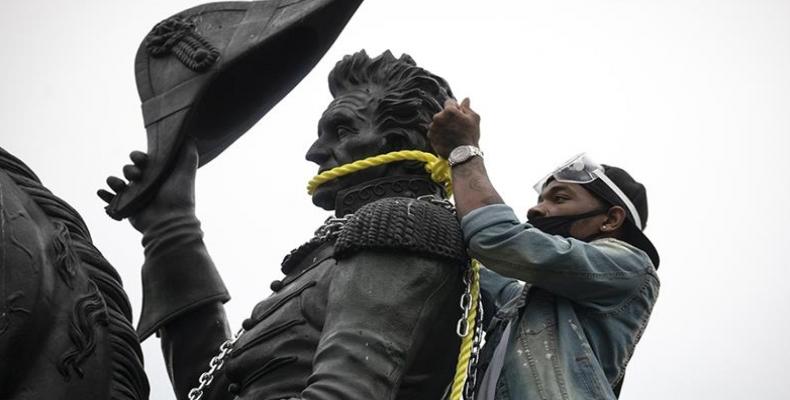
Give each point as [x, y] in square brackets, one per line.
[211, 72]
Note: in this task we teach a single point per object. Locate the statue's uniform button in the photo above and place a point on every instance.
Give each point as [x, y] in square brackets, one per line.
[276, 286]
[233, 388]
[248, 324]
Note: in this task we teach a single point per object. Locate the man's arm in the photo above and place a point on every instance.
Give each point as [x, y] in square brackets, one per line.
[458, 125]
[596, 272]
[472, 187]
[599, 273]
[496, 291]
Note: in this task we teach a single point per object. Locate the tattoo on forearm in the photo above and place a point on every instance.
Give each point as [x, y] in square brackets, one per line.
[474, 187]
[481, 185]
[477, 183]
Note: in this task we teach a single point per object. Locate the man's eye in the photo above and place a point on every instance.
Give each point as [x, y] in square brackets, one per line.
[343, 131]
[560, 199]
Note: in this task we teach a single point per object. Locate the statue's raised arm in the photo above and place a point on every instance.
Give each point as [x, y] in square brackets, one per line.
[368, 307]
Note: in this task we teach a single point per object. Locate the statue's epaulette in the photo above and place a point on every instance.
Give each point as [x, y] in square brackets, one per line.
[403, 224]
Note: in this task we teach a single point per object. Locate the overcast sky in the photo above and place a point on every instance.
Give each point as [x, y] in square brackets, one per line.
[692, 97]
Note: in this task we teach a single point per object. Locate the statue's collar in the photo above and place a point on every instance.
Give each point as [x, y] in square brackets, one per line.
[349, 200]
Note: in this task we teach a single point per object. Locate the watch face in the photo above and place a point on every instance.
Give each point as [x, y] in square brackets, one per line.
[460, 154]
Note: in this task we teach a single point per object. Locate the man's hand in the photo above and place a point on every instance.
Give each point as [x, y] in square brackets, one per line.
[176, 196]
[456, 125]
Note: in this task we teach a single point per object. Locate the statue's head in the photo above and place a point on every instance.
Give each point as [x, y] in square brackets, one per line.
[380, 105]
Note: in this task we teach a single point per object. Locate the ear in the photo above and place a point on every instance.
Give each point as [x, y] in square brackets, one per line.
[394, 140]
[615, 218]
[399, 139]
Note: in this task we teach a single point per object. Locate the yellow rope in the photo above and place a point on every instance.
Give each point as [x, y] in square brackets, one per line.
[467, 341]
[437, 167]
[440, 173]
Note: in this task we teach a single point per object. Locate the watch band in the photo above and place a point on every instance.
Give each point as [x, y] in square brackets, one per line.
[462, 154]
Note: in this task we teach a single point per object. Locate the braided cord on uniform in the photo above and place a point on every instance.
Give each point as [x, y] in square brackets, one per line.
[435, 166]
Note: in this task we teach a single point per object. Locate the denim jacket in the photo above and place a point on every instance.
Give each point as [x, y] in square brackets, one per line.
[578, 318]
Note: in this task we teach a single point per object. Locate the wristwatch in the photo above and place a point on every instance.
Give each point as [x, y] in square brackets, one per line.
[462, 154]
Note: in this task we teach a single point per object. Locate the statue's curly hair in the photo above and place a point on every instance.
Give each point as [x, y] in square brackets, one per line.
[405, 97]
[105, 304]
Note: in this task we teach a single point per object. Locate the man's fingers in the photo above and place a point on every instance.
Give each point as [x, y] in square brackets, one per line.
[116, 184]
[448, 112]
[467, 109]
[132, 173]
[139, 158]
[105, 195]
[450, 105]
[438, 117]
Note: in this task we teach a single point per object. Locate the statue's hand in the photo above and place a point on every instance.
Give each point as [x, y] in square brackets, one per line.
[456, 125]
[178, 274]
[175, 197]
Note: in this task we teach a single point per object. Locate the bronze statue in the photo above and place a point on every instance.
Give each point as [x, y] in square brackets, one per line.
[211, 72]
[367, 308]
[65, 321]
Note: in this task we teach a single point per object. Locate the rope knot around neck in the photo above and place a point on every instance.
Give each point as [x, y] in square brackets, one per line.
[438, 168]
[464, 379]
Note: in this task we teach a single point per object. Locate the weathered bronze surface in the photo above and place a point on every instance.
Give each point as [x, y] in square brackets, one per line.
[367, 308]
[212, 71]
[65, 321]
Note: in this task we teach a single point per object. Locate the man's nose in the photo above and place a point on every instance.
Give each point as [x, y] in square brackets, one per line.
[536, 212]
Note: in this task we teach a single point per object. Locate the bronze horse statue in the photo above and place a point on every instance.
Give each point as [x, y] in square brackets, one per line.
[65, 320]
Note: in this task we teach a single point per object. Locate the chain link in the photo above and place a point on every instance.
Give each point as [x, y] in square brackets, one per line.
[471, 373]
[462, 328]
[216, 364]
[442, 202]
[329, 230]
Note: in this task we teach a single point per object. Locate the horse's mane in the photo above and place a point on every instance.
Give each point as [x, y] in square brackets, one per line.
[106, 302]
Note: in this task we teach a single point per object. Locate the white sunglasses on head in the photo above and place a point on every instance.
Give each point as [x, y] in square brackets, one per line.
[582, 169]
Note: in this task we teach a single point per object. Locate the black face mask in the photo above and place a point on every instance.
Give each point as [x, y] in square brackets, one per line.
[561, 224]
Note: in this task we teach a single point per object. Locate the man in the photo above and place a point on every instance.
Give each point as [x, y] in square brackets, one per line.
[589, 271]
[368, 307]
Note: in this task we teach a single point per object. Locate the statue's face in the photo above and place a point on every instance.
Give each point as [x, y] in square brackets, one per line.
[346, 133]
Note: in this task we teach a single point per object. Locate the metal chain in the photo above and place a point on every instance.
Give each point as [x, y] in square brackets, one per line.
[216, 364]
[471, 374]
[329, 230]
[442, 202]
[462, 328]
